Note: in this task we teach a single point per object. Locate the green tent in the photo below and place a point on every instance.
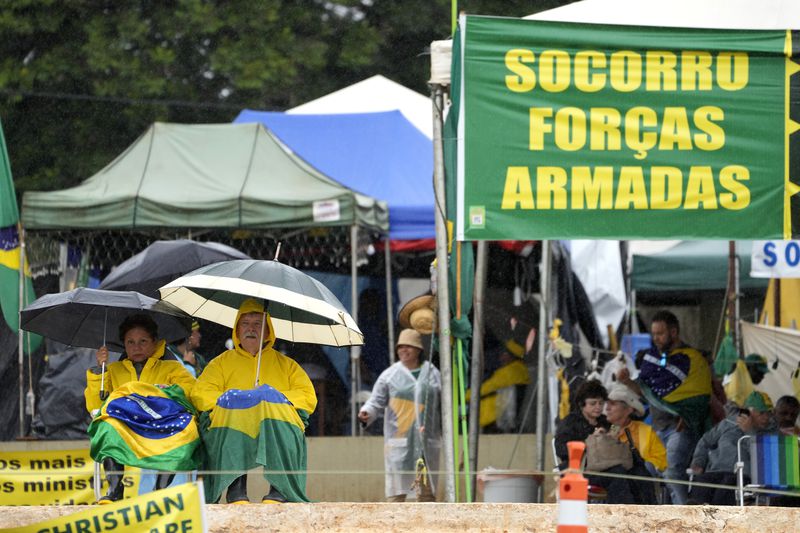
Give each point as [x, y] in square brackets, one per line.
[693, 265]
[204, 176]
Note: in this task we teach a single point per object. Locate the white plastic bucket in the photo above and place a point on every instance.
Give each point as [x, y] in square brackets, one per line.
[508, 488]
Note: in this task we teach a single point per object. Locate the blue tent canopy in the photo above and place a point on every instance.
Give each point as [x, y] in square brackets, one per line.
[378, 154]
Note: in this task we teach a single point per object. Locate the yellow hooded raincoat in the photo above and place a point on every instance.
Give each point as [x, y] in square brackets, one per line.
[156, 371]
[236, 369]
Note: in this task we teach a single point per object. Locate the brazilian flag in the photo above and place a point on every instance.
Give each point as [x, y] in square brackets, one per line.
[148, 427]
[253, 427]
[10, 250]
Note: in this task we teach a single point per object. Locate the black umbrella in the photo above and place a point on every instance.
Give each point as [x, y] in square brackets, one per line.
[163, 261]
[90, 318]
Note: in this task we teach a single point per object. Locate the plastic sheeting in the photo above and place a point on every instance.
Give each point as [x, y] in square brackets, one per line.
[781, 347]
[410, 405]
[61, 410]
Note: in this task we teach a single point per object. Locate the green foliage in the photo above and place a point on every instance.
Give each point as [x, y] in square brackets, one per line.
[81, 80]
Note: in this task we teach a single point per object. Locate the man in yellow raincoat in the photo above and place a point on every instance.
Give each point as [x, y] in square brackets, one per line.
[252, 425]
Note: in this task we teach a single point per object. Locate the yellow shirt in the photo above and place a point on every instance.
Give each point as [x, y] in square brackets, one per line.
[647, 442]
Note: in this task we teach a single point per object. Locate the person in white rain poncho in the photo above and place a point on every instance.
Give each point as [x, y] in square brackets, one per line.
[409, 393]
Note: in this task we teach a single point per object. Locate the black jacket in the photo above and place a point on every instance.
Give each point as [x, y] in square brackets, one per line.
[575, 427]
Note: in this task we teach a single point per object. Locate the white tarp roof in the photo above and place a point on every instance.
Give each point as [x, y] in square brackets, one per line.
[717, 14]
[374, 94]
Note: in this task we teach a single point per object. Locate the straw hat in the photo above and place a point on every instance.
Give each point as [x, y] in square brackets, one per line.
[409, 337]
[418, 314]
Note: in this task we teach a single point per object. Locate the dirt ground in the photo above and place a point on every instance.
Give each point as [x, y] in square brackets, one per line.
[432, 517]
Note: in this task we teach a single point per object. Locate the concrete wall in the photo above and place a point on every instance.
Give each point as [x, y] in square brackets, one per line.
[350, 469]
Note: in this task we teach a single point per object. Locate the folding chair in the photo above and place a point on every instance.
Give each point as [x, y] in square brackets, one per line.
[774, 464]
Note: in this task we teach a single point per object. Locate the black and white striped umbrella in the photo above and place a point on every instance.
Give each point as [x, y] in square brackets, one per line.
[302, 308]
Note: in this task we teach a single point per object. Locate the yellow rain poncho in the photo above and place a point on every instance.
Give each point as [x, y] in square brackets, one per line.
[156, 371]
[236, 369]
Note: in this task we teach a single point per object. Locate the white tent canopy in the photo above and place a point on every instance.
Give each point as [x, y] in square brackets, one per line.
[374, 94]
[717, 14]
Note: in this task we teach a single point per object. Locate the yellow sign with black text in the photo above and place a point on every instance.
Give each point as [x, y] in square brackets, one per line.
[53, 477]
[175, 510]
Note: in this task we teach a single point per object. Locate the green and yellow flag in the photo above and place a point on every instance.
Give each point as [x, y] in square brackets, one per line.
[10, 249]
[148, 427]
[248, 428]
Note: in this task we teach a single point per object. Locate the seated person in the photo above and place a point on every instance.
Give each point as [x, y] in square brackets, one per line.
[786, 411]
[185, 351]
[255, 425]
[586, 419]
[625, 410]
[500, 392]
[715, 456]
[143, 362]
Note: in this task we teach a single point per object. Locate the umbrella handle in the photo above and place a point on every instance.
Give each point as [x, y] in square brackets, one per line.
[261, 344]
[103, 393]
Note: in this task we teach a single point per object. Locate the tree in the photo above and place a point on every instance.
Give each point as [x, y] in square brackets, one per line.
[80, 80]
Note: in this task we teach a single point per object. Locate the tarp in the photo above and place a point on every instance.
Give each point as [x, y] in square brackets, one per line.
[374, 94]
[781, 347]
[693, 265]
[734, 14]
[204, 176]
[377, 154]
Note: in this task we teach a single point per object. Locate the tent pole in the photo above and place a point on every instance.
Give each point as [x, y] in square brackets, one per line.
[387, 258]
[541, 375]
[20, 352]
[355, 351]
[476, 369]
[736, 311]
[442, 295]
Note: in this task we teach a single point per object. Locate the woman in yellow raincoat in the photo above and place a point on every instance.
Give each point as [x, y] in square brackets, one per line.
[143, 363]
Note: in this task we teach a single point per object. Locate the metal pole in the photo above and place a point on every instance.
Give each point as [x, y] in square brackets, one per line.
[736, 311]
[355, 351]
[476, 372]
[20, 352]
[387, 258]
[541, 376]
[442, 295]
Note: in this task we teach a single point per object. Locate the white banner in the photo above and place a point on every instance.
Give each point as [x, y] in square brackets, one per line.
[775, 259]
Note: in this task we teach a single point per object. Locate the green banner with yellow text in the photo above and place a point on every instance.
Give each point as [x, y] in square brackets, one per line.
[590, 131]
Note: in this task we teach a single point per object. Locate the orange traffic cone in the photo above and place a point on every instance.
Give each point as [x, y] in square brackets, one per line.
[573, 494]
